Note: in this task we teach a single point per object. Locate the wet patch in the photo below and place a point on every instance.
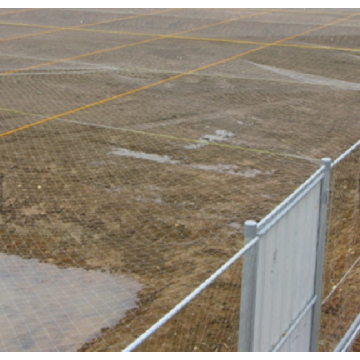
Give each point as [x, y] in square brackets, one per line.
[219, 168]
[228, 169]
[144, 156]
[219, 136]
[235, 225]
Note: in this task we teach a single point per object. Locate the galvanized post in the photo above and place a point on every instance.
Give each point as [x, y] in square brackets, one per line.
[324, 198]
[1, 193]
[248, 290]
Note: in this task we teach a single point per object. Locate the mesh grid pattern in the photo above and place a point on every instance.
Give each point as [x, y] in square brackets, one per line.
[138, 147]
[341, 276]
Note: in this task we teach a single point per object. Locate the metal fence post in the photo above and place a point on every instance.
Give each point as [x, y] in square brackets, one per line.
[324, 198]
[248, 290]
[1, 193]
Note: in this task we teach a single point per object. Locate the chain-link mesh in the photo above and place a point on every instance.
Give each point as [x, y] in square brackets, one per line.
[139, 146]
[341, 273]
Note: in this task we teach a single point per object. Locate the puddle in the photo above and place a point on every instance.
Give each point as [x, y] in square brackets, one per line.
[194, 146]
[219, 136]
[227, 169]
[45, 308]
[140, 155]
[148, 200]
[220, 168]
[235, 225]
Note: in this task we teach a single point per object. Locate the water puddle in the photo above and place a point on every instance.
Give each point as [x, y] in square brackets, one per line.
[219, 136]
[194, 146]
[45, 308]
[227, 169]
[140, 155]
[219, 168]
[235, 225]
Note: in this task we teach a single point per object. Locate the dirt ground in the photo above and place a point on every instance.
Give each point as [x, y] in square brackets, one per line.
[135, 157]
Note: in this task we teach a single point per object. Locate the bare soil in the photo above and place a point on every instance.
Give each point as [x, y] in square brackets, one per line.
[69, 200]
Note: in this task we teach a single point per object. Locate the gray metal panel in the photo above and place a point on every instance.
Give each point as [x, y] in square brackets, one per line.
[288, 336]
[299, 340]
[281, 210]
[285, 279]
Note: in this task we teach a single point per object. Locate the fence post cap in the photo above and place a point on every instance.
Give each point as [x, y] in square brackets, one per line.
[250, 229]
[326, 162]
[250, 223]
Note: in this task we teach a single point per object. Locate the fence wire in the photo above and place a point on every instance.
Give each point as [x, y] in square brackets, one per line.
[133, 146]
[341, 273]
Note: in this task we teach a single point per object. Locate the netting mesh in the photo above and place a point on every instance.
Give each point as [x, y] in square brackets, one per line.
[341, 276]
[138, 147]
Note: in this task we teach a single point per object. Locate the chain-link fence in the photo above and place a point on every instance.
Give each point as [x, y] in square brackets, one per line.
[135, 143]
[341, 274]
[281, 309]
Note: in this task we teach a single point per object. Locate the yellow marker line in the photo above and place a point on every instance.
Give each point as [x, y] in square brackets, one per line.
[76, 57]
[128, 45]
[78, 27]
[31, 25]
[313, 12]
[29, 35]
[19, 112]
[318, 47]
[231, 41]
[17, 11]
[115, 97]
[165, 136]
[204, 142]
